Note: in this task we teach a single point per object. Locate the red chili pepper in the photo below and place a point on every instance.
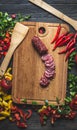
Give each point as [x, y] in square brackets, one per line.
[66, 40]
[6, 84]
[70, 46]
[20, 112]
[5, 48]
[72, 115]
[58, 42]
[62, 35]
[41, 120]
[62, 51]
[75, 37]
[6, 40]
[70, 35]
[72, 40]
[63, 40]
[14, 109]
[17, 117]
[4, 53]
[29, 114]
[69, 52]
[21, 124]
[7, 34]
[1, 48]
[57, 34]
[2, 43]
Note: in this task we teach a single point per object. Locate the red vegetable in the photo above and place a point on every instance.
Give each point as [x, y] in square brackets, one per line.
[59, 41]
[17, 116]
[68, 53]
[73, 103]
[71, 45]
[6, 83]
[13, 16]
[63, 40]
[62, 51]
[21, 124]
[57, 34]
[71, 115]
[29, 114]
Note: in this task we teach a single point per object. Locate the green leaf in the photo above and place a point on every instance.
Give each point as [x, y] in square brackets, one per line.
[24, 100]
[34, 103]
[46, 102]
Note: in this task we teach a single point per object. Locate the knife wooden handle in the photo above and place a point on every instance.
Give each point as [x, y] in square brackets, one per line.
[55, 12]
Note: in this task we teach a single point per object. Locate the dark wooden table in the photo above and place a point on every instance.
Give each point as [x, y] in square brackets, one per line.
[69, 7]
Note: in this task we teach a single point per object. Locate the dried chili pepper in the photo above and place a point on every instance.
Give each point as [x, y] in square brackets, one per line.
[57, 34]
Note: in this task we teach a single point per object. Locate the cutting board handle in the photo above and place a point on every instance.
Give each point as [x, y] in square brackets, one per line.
[55, 12]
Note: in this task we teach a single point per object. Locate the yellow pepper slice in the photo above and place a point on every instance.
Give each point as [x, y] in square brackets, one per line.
[5, 113]
[2, 118]
[7, 97]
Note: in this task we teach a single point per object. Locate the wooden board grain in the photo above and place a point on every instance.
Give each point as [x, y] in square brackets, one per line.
[28, 67]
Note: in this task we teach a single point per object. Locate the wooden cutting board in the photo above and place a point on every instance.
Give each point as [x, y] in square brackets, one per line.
[28, 67]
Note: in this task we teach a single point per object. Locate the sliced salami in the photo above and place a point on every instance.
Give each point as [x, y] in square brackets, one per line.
[44, 81]
[47, 59]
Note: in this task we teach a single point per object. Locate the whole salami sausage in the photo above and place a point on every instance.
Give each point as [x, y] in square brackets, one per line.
[39, 45]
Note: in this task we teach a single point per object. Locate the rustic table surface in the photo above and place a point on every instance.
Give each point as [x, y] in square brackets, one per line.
[68, 7]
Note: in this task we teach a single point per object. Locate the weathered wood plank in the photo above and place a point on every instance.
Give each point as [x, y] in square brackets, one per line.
[49, 1]
[29, 8]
